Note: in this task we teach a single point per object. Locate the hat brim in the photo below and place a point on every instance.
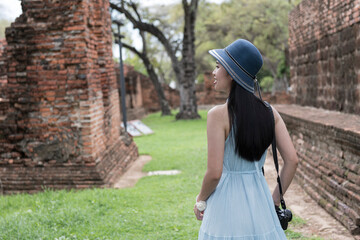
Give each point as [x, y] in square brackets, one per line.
[235, 72]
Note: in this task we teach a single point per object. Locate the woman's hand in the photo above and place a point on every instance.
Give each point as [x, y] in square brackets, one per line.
[199, 215]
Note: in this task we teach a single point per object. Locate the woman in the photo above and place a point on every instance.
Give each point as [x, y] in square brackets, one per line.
[237, 200]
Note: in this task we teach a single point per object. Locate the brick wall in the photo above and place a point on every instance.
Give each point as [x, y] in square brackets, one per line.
[62, 127]
[324, 45]
[4, 102]
[150, 98]
[328, 147]
[205, 93]
[140, 92]
[3, 76]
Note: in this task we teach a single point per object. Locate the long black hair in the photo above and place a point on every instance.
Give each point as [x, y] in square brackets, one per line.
[251, 123]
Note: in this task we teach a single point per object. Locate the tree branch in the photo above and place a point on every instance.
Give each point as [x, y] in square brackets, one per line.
[193, 6]
[134, 7]
[185, 4]
[147, 27]
[134, 50]
[272, 65]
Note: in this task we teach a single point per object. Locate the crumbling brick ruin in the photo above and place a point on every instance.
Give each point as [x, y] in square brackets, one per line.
[328, 147]
[324, 45]
[3, 76]
[4, 102]
[141, 96]
[206, 94]
[62, 126]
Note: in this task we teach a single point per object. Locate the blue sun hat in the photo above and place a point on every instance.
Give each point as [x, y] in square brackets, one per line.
[242, 60]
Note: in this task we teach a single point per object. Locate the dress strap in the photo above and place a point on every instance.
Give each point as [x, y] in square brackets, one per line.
[259, 172]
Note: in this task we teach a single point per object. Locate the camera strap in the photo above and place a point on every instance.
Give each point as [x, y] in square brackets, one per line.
[282, 201]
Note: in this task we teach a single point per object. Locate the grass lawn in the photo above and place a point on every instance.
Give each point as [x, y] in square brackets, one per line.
[158, 207]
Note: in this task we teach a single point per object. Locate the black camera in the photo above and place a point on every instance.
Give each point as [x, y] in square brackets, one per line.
[285, 216]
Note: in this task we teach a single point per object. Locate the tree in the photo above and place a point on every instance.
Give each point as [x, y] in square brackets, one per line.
[165, 109]
[3, 24]
[262, 22]
[184, 69]
[188, 107]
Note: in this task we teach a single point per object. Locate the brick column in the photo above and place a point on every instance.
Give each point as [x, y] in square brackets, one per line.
[62, 128]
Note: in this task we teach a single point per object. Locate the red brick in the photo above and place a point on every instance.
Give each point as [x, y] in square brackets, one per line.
[325, 134]
[62, 60]
[338, 38]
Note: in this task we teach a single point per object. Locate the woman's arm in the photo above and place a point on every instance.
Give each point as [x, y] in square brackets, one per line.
[288, 154]
[216, 145]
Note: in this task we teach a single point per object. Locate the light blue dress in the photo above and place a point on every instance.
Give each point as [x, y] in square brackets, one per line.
[241, 207]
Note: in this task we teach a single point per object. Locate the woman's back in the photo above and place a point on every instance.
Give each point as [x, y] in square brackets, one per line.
[234, 163]
[241, 206]
[235, 201]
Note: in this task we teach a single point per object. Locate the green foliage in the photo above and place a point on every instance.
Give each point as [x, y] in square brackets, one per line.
[266, 83]
[158, 207]
[3, 24]
[137, 63]
[263, 22]
[297, 221]
[170, 20]
[283, 68]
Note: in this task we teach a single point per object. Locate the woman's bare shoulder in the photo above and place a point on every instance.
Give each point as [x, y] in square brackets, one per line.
[276, 114]
[219, 114]
[218, 111]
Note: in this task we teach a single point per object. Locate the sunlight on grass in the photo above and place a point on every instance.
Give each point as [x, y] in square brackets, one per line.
[158, 207]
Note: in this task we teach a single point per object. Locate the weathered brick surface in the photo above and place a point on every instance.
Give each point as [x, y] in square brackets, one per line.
[62, 127]
[4, 103]
[3, 76]
[328, 147]
[324, 45]
[205, 93]
[141, 97]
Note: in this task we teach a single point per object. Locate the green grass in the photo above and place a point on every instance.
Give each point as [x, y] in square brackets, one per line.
[298, 223]
[158, 207]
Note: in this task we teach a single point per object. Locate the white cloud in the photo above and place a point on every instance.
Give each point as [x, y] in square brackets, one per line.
[10, 9]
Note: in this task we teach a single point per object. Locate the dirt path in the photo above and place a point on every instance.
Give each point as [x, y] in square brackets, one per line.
[134, 173]
[318, 221]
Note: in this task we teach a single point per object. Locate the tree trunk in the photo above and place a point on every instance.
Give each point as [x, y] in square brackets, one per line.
[186, 71]
[275, 85]
[273, 69]
[188, 106]
[165, 109]
[280, 84]
[286, 83]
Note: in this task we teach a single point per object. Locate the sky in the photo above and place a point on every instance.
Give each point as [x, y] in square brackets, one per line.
[11, 9]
